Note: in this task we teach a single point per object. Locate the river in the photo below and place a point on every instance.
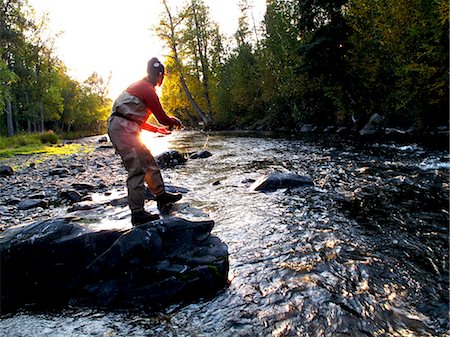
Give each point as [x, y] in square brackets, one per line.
[362, 253]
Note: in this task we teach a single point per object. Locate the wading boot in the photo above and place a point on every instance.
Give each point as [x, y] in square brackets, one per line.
[142, 217]
[166, 200]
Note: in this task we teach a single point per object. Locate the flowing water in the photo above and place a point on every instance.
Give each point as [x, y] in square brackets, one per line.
[362, 253]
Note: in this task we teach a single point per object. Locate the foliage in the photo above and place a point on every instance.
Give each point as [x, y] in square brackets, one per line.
[399, 60]
[330, 62]
[27, 139]
[49, 137]
[35, 91]
[322, 62]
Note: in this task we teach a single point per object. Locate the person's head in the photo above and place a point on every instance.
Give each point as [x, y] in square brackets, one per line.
[155, 71]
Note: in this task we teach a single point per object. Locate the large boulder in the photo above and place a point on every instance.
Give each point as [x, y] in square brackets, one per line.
[56, 263]
[277, 180]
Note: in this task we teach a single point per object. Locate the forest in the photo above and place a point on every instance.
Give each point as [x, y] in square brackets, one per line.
[36, 92]
[325, 63]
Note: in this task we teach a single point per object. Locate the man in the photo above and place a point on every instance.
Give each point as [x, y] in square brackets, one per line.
[129, 115]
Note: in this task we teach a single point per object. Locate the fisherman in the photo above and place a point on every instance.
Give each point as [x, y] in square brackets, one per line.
[129, 115]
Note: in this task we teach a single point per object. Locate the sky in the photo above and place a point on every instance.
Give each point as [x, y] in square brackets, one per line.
[111, 36]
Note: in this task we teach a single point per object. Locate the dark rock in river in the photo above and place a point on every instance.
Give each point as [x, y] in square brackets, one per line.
[57, 263]
[200, 154]
[6, 171]
[170, 159]
[277, 180]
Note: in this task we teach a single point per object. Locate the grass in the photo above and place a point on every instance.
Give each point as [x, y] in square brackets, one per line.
[58, 150]
[25, 139]
[36, 143]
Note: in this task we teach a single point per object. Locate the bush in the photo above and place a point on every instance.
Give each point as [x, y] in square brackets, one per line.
[49, 137]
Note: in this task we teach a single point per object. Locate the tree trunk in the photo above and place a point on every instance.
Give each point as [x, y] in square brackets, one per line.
[41, 114]
[201, 48]
[9, 118]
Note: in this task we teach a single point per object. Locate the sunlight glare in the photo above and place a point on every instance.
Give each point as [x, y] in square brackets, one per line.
[156, 143]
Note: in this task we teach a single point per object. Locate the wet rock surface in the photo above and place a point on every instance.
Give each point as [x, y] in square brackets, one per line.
[57, 263]
[278, 180]
[170, 159]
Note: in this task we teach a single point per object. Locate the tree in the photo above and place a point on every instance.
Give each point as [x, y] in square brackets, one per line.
[399, 60]
[168, 32]
[13, 23]
[196, 40]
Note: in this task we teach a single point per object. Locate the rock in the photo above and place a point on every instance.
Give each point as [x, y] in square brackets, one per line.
[39, 195]
[248, 181]
[71, 195]
[83, 186]
[373, 127]
[200, 154]
[308, 128]
[342, 130]
[13, 201]
[59, 172]
[277, 180]
[32, 203]
[58, 263]
[394, 132]
[83, 206]
[105, 147]
[170, 159]
[6, 171]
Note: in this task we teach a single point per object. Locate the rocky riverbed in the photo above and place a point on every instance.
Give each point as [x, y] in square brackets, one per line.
[46, 186]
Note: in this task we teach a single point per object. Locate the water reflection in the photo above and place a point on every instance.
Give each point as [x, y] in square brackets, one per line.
[320, 261]
[156, 143]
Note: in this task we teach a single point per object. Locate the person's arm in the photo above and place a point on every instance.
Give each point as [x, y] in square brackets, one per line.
[156, 129]
[155, 107]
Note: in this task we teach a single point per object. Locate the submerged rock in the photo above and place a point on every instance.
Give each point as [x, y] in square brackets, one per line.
[57, 263]
[277, 180]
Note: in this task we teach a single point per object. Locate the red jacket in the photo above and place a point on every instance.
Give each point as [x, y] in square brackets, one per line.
[145, 91]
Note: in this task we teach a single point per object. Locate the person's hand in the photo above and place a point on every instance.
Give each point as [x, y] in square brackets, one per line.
[163, 131]
[176, 122]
